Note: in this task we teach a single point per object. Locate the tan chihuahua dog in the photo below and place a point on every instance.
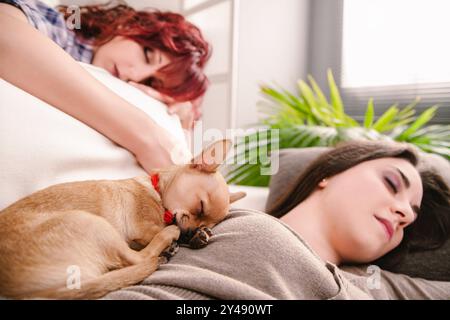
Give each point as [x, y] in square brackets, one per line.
[90, 226]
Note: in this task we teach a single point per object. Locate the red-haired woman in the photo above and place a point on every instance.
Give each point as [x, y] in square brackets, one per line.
[159, 52]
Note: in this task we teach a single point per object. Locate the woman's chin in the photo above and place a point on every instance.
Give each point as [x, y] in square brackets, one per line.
[367, 250]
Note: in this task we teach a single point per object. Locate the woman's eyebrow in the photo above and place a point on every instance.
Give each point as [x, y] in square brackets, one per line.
[404, 178]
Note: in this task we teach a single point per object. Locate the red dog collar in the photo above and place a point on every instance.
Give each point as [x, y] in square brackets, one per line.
[168, 217]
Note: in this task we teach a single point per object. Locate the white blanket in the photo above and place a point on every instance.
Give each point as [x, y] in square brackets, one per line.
[41, 146]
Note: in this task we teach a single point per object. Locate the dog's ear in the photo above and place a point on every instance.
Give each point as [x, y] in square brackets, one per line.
[237, 196]
[212, 156]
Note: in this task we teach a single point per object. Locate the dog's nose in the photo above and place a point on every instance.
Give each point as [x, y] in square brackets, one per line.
[174, 221]
[186, 236]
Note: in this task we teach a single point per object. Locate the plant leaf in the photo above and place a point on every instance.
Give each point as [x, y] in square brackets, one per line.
[320, 96]
[368, 118]
[425, 117]
[335, 97]
[385, 119]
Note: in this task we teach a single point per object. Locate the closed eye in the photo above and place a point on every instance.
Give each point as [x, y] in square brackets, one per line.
[394, 188]
[200, 213]
[147, 52]
[391, 185]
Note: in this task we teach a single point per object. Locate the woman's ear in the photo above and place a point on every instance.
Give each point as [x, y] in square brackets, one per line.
[323, 183]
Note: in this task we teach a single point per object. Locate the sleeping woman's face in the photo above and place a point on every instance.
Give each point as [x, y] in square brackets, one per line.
[128, 60]
[368, 206]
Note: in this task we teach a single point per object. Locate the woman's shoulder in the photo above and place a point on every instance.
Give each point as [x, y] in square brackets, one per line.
[252, 219]
[248, 220]
[382, 284]
[39, 14]
[251, 255]
[257, 226]
[52, 24]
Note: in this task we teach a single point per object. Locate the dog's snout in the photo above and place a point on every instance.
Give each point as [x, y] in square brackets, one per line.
[174, 221]
[186, 236]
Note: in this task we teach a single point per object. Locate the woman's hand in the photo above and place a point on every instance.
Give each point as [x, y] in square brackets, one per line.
[157, 152]
[86, 99]
[159, 149]
[184, 110]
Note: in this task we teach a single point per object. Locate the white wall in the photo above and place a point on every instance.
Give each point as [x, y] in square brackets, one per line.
[272, 48]
[171, 5]
[216, 20]
[163, 5]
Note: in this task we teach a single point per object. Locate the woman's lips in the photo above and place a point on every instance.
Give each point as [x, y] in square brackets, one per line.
[387, 225]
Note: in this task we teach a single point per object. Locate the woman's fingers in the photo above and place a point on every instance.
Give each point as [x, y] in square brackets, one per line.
[184, 111]
[188, 123]
[187, 120]
[162, 152]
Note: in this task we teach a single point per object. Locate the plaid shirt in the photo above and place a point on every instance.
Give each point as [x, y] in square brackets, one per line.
[51, 23]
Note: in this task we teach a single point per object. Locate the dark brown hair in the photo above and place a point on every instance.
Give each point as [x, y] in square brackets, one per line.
[429, 231]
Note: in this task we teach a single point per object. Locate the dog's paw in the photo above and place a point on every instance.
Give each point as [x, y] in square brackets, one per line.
[172, 232]
[162, 259]
[200, 238]
[170, 251]
[208, 231]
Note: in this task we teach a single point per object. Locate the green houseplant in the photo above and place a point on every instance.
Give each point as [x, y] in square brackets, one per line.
[310, 119]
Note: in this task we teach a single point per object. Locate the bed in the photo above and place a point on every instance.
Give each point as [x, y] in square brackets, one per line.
[42, 146]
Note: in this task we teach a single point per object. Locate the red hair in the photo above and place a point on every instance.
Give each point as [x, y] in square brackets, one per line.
[183, 79]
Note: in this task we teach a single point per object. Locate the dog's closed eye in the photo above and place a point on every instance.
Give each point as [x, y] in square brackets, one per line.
[200, 212]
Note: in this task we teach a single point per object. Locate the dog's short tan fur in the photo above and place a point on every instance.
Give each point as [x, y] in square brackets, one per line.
[91, 225]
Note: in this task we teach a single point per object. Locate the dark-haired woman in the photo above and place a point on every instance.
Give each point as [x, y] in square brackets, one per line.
[355, 204]
[359, 202]
[160, 53]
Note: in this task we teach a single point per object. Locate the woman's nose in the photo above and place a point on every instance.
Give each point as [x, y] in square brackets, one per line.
[403, 213]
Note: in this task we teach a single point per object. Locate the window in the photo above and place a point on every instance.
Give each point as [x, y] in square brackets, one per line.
[396, 42]
[391, 50]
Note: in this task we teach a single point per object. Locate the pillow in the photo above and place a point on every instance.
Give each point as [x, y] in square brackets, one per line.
[42, 146]
[432, 264]
[255, 197]
[291, 164]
